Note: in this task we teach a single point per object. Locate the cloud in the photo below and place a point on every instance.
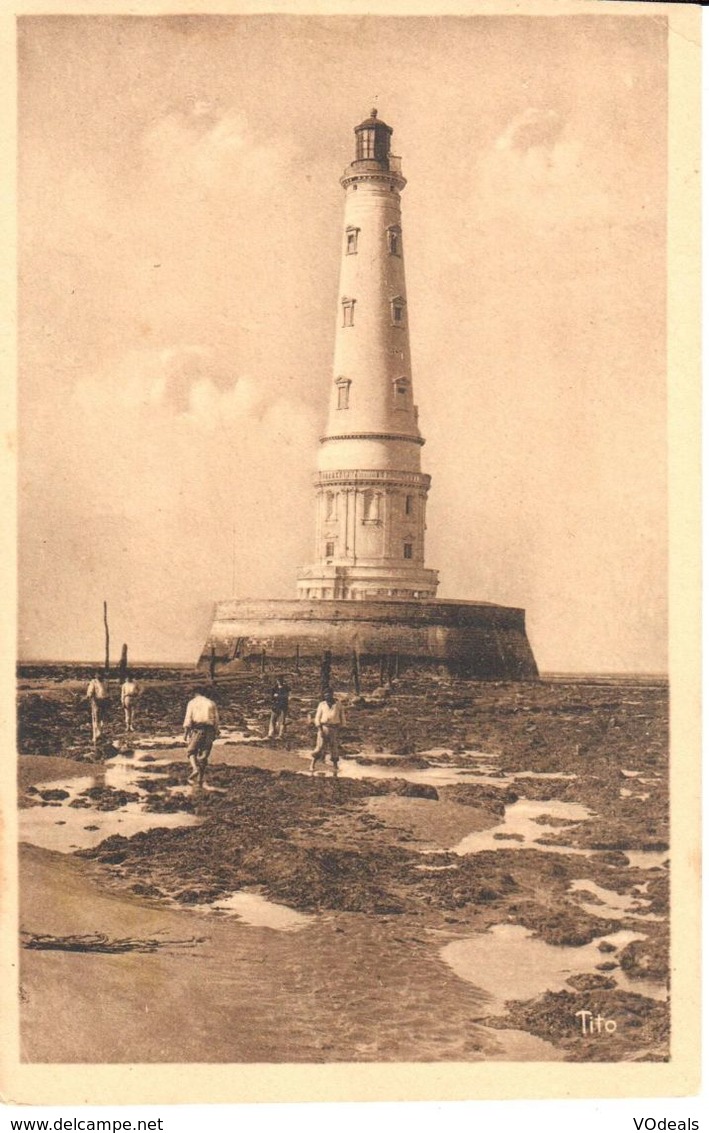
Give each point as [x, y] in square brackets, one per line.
[161, 412]
[190, 382]
[533, 128]
[203, 145]
[546, 175]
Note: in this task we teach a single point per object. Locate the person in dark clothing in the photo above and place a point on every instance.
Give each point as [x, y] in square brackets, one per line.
[279, 709]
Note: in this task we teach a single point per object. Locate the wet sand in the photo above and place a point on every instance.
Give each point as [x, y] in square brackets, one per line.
[344, 989]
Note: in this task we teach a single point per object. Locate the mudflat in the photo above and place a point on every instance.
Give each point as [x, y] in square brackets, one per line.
[489, 867]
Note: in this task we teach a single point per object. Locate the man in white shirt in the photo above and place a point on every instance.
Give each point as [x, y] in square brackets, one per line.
[201, 727]
[329, 721]
[129, 694]
[97, 696]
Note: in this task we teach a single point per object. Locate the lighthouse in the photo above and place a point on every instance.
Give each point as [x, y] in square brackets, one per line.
[367, 591]
[370, 490]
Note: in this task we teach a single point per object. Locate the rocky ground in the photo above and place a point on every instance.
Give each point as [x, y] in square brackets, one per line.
[379, 852]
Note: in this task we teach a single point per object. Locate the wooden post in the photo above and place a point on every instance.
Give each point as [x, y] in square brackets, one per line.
[297, 658]
[355, 672]
[263, 660]
[325, 671]
[123, 667]
[105, 626]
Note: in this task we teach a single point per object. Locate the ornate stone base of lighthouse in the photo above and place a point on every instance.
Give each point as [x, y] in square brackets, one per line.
[473, 639]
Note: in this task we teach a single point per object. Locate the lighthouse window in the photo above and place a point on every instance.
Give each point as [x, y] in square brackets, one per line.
[343, 393]
[348, 306]
[408, 550]
[365, 145]
[330, 505]
[398, 307]
[352, 235]
[409, 505]
[371, 501]
[401, 389]
[394, 240]
[329, 550]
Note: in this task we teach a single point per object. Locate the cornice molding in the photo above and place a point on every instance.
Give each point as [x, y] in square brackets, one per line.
[375, 476]
[373, 437]
[395, 179]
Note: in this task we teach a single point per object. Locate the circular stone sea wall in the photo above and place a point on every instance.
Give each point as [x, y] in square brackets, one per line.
[476, 639]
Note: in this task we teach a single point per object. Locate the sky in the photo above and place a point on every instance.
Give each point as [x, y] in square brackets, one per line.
[180, 228]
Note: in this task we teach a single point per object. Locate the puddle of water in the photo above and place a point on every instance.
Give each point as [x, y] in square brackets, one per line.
[163, 741]
[441, 775]
[646, 859]
[629, 774]
[521, 830]
[123, 774]
[73, 785]
[258, 911]
[63, 828]
[614, 906]
[507, 962]
[521, 821]
[38, 825]
[491, 779]
[227, 737]
[543, 775]
[436, 776]
[626, 794]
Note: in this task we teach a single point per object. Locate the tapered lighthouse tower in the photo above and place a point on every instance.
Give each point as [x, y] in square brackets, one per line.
[371, 493]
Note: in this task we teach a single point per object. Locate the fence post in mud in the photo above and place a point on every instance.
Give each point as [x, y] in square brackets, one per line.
[325, 671]
[297, 658]
[105, 626]
[123, 666]
[396, 665]
[356, 672]
[263, 660]
[383, 669]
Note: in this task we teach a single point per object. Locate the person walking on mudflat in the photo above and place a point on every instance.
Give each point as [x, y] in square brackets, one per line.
[97, 696]
[129, 694]
[279, 709]
[201, 728]
[329, 722]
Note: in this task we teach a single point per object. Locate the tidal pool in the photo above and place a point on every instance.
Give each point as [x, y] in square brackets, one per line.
[66, 828]
[522, 827]
[257, 911]
[508, 962]
[612, 905]
[439, 776]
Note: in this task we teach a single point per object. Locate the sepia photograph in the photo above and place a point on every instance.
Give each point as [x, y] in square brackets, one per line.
[351, 615]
